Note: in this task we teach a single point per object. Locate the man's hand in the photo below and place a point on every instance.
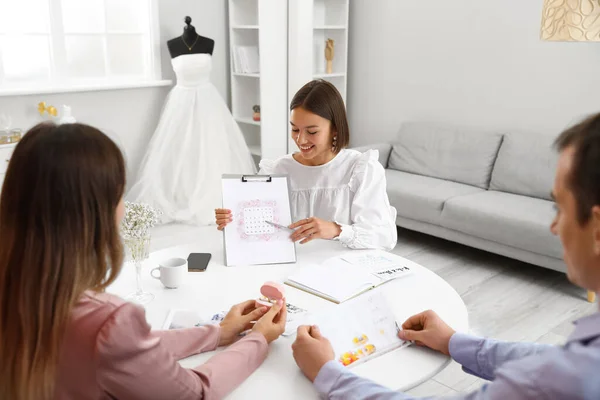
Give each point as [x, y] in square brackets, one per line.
[427, 329]
[311, 351]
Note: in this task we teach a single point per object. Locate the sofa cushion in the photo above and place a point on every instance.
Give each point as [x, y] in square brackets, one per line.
[525, 165]
[421, 197]
[459, 155]
[510, 219]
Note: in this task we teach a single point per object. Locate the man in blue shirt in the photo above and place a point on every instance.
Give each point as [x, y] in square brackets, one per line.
[515, 370]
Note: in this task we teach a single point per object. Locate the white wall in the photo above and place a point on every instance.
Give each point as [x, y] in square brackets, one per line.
[477, 63]
[130, 116]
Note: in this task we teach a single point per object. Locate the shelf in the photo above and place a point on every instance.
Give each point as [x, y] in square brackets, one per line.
[323, 76]
[330, 27]
[245, 27]
[83, 87]
[255, 150]
[243, 12]
[248, 121]
[246, 75]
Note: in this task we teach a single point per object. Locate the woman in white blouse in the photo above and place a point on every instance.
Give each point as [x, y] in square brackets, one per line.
[336, 193]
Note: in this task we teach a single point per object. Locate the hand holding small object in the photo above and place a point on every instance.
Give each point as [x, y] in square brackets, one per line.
[429, 330]
[238, 320]
[314, 228]
[272, 324]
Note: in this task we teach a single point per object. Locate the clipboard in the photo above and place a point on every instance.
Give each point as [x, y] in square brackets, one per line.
[253, 200]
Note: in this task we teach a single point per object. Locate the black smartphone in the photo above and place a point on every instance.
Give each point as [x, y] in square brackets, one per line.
[198, 262]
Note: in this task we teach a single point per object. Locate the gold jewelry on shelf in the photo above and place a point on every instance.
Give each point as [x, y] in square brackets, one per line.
[51, 110]
[188, 46]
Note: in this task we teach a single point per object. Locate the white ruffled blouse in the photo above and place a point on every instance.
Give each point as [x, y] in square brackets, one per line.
[349, 190]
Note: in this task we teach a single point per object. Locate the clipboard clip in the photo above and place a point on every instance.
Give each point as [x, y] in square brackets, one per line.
[256, 178]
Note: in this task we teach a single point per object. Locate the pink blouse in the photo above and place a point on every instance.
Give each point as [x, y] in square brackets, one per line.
[109, 351]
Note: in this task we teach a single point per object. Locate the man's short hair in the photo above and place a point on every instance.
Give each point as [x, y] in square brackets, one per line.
[584, 179]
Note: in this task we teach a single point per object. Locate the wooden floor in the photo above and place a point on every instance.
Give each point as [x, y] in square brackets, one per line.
[506, 299]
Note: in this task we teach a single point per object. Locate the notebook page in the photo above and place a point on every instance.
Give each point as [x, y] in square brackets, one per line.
[385, 265]
[335, 278]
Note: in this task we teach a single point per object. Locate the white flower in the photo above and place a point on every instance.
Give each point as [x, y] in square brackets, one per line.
[139, 218]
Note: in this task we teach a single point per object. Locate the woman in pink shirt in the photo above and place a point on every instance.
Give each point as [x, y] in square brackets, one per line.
[61, 336]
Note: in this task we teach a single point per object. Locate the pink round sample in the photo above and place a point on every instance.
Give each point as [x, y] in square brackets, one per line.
[262, 303]
[273, 290]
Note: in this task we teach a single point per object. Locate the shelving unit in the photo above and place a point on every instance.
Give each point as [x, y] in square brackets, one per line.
[311, 23]
[263, 24]
[290, 37]
[330, 27]
[248, 121]
[255, 150]
[326, 76]
[246, 75]
[5, 154]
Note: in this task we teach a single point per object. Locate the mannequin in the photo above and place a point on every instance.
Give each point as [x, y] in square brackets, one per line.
[190, 42]
[196, 141]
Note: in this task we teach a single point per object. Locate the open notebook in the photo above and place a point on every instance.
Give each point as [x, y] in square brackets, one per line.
[341, 278]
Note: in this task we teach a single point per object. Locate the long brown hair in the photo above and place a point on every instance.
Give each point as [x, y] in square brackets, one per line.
[323, 99]
[59, 238]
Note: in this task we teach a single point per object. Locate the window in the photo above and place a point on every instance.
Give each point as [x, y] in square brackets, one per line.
[74, 42]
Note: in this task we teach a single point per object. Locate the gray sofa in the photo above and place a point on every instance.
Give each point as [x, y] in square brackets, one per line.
[482, 189]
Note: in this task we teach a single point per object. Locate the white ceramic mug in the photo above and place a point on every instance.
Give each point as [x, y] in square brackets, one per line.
[171, 272]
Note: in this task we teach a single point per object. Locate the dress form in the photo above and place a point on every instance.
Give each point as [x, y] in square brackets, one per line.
[190, 42]
[196, 141]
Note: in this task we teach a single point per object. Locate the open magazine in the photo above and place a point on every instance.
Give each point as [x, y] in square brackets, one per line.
[360, 329]
[184, 318]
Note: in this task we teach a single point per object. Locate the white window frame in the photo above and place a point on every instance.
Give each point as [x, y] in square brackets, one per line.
[59, 83]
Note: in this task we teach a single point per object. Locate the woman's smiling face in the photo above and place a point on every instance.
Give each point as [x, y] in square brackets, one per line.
[312, 134]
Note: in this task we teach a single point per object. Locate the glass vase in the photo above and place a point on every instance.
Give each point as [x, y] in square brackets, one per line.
[139, 250]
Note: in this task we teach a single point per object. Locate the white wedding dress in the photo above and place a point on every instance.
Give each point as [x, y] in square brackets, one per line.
[196, 141]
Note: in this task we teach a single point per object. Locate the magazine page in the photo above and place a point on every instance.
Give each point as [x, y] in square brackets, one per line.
[359, 329]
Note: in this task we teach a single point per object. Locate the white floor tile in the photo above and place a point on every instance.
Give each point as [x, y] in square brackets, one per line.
[454, 377]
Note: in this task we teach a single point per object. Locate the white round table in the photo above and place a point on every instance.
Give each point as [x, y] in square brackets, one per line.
[219, 287]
